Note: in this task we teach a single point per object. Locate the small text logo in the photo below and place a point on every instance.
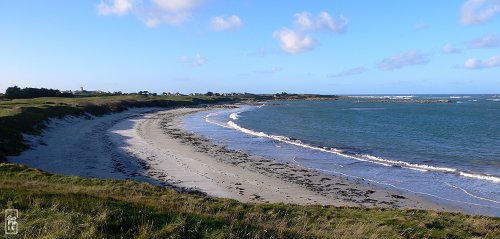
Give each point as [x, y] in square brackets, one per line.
[11, 225]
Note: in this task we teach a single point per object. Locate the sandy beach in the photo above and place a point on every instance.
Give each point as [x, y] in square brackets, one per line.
[147, 144]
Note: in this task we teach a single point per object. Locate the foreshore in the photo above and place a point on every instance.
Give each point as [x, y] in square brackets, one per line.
[148, 144]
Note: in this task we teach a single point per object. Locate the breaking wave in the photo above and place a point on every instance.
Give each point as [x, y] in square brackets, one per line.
[234, 116]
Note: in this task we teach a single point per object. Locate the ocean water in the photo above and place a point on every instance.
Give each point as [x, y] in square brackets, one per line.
[446, 152]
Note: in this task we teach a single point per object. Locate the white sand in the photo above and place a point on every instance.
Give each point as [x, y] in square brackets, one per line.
[82, 146]
[180, 164]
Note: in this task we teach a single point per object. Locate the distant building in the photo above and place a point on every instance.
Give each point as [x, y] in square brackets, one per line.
[84, 92]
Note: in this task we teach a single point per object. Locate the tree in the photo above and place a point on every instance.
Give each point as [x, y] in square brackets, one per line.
[13, 93]
[210, 93]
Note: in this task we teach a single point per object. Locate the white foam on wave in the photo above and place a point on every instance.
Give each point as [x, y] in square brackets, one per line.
[392, 97]
[247, 131]
[358, 157]
[362, 109]
[207, 119]
[234, 116]
[419, 167]
[483, 177]
[399, 97]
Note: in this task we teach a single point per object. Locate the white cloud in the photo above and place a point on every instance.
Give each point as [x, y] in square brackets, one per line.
[473, 63]
[297, 40]
[478, 11]
[197, 60]
[293, 42]
[118, 7]
[200, 60]
[324, 21]
[153, 18]
[350, 72]
[220, 23]
[177, 5]
[449, 49]
[402, 60]
[303, 20]
[152, 22]
[485, 42]
[152, 12]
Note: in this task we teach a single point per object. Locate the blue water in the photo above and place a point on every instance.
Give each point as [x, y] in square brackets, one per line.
[446, 152]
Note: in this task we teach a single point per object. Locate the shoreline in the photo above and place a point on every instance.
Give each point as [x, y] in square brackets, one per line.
[149, 145]
[337, 190]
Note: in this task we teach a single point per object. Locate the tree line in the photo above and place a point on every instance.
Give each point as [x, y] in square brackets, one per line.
[15, 92]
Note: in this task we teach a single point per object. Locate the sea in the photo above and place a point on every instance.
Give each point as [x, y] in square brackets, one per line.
[448, 153]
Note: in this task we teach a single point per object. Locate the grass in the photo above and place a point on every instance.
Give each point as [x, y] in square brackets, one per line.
[28, 115]
[53, 206]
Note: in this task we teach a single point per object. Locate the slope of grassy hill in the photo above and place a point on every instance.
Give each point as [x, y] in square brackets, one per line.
[53, 206]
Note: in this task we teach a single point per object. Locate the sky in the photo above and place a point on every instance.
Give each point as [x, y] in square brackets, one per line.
[300, 46]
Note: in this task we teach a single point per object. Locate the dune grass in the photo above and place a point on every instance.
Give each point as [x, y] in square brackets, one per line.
[53, 206]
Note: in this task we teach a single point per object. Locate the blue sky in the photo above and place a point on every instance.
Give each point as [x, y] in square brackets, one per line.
[328, 47]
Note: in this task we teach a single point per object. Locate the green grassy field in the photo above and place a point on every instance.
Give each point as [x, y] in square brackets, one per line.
[53, 206]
